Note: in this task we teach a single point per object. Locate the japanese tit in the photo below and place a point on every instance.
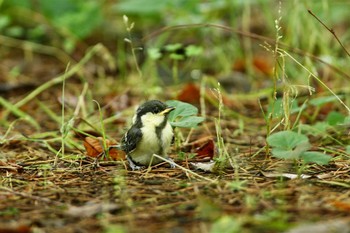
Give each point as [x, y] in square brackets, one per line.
[150, 133]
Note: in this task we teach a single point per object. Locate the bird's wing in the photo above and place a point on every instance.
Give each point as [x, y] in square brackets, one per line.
[131, 139]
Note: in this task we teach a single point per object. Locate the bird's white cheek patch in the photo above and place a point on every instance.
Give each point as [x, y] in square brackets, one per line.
[152, 119]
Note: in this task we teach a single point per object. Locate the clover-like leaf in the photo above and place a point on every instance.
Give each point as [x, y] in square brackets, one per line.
[286, 140]
[184, 115]
[288, 144]
[315, 157]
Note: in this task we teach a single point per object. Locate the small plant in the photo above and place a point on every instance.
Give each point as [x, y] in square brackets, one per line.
[184, 115]
[129, 27]
[294, 146]
[175, 52]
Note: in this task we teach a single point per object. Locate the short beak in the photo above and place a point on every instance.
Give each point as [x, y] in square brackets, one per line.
[166, 111]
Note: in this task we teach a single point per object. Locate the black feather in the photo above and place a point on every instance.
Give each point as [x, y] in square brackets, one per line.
[131, 139]
[153, 106]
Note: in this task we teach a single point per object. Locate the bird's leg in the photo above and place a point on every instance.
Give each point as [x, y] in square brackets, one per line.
[132, 165]
[95, 164]
[171, 162]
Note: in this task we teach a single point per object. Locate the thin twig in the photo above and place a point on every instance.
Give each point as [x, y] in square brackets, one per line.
[319, 80]
[330, 30]
[184, 169]
[30, 196]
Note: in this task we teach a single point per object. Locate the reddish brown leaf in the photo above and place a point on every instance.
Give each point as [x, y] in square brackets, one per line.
[116, 154]
[190, 94]
[203, 147]
[17, 229]
[94, 148]
[263, 65]
[239, 65]
[344, 206]
[206, 150]
[260, 63]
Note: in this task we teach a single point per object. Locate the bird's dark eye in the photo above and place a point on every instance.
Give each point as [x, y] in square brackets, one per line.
[156, 110]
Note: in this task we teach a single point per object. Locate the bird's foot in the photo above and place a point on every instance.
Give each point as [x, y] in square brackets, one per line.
[171, 162]
[133, 166]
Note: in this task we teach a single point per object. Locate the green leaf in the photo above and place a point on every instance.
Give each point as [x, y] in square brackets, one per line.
[188, 122]
[288, 144]
[184, 115]
[318, 129]
[176, 56]
[154, 53]
[291, 153]
[173, 47]
[335, 118]
[323, 100]
[193, 50]
[315, 157]
[286, 139]
[182, 109]
[276, 108]
[78, 17]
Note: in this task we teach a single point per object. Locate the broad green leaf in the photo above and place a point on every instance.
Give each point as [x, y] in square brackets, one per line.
[315, 157]
[291, 153]
[193, 50]
[288, 144]
[154, 53]
[188, 122]
[335, 118]
[276, 108]
[173, 47]
[318, 129]
[286, 140]
[176, 56]
[184, 115]
[324, 100]
[182, 109]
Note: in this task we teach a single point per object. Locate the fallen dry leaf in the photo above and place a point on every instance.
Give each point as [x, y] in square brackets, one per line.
[15, 229]
[203, 147]
[344, 206]
[190, 93]
[90, 209]
[286, 175]
[94, 148]
[206, 150]
[207, 167]
[260, 64]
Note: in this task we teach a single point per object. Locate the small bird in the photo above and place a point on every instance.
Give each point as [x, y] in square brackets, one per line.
[150, 133]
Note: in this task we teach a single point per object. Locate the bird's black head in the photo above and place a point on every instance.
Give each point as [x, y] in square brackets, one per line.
[153, 106]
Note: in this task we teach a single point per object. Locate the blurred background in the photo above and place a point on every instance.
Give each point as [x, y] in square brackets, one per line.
[173, 42]
[63, 30]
